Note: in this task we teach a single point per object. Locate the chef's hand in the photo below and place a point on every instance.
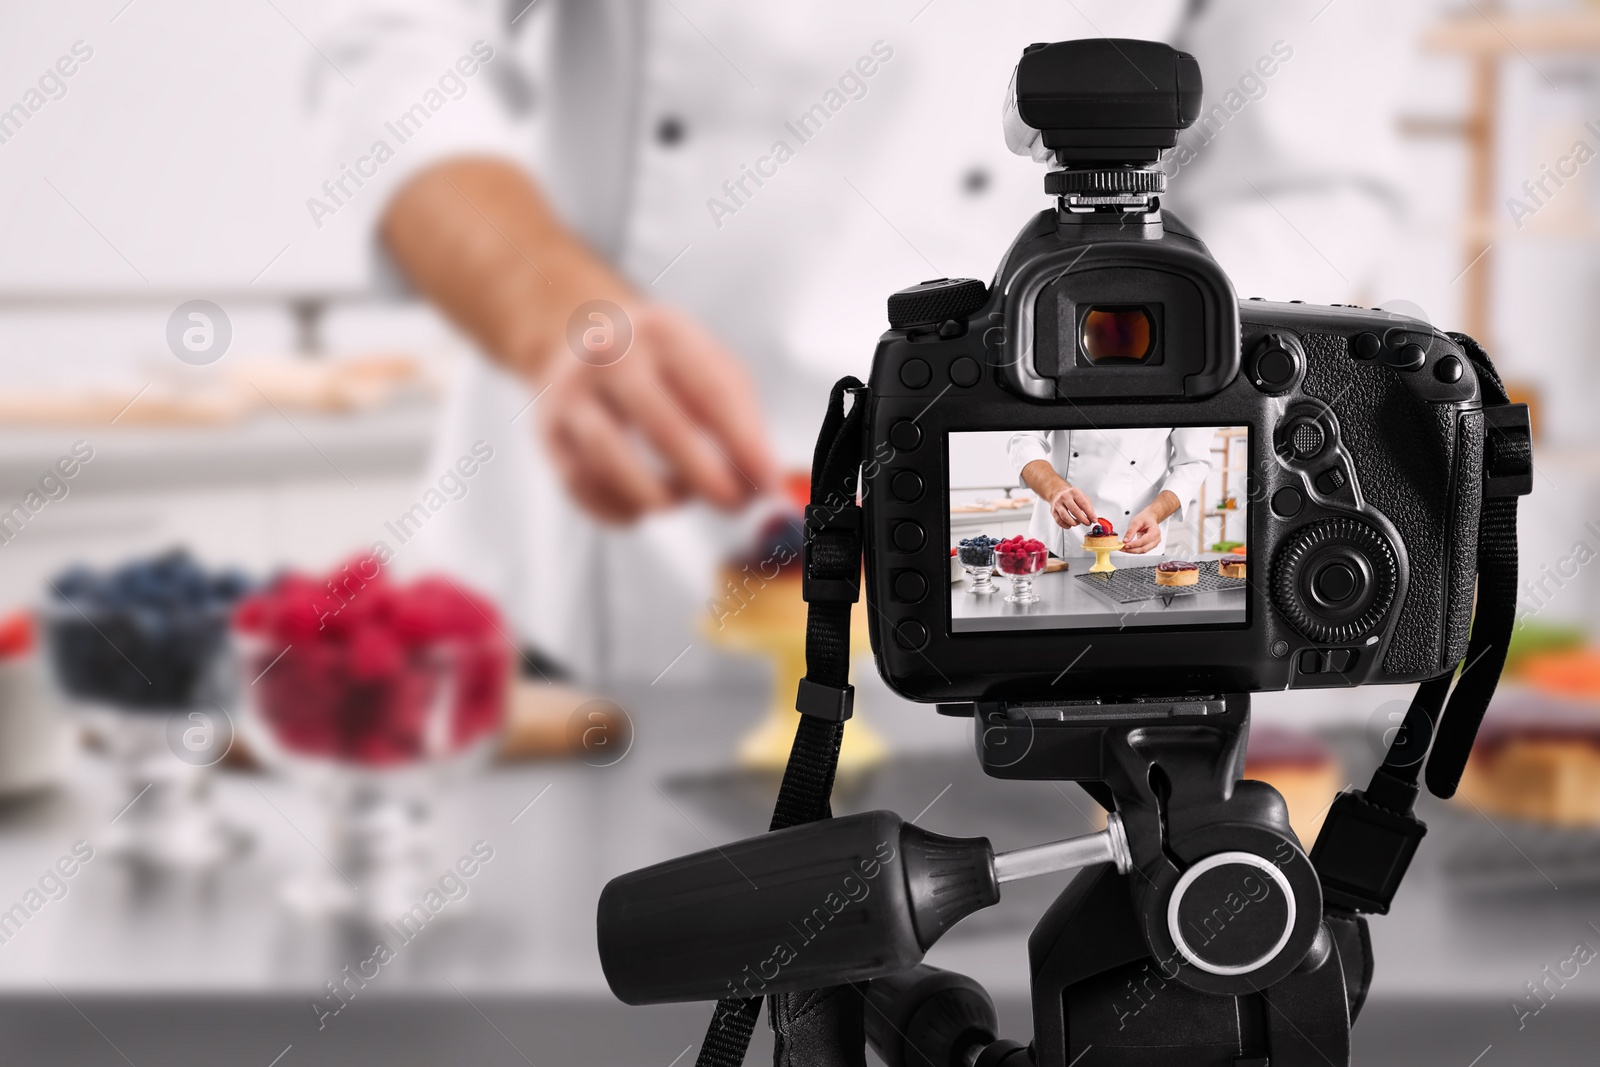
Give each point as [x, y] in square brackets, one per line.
[1070, 506]
[671, 416]
[675, 416]
[1144, 529]
[1143, 533]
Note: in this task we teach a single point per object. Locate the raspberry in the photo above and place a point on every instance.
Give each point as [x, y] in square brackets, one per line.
[366, 662]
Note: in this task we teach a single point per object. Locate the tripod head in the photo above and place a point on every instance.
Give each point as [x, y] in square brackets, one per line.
[1196, 876]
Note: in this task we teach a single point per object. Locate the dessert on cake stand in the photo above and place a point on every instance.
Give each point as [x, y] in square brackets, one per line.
[761, 612]
[1101, 539]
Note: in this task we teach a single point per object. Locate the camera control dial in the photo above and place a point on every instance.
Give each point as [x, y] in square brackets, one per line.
[1277, 363]
[1335, 580]
[934, 302]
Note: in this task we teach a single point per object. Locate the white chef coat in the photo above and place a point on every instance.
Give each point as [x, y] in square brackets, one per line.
[1121, 471]
[636, 117]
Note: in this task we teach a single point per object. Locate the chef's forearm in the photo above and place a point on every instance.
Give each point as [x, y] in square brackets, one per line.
[478, 239]
[1043, 479]
[1165, 505]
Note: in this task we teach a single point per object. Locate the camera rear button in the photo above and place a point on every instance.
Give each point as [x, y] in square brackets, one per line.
[911, 635]
[909, 536]
[905, 435]
[1407, 357]
[910, 587]
[1275, 368]
[1448, 370]
[906, 486]
[915, 373]
[1330, 481]
[1365, 346]
[1307, 439]
[1336, 583]
[965, 372]
[1287, 502]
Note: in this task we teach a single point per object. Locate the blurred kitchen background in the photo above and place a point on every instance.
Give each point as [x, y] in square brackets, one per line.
[454, 773]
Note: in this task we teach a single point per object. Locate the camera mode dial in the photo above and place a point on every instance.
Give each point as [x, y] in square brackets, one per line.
[1335, 580]
[1277, 363]
[933, 302]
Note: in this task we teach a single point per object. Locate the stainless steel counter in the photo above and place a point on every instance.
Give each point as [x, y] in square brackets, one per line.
[185, 971]
[1068, 602]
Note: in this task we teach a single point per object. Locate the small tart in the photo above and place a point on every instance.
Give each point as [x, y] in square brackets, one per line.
[1231, 568]
[1102, 543]
[1177, 572]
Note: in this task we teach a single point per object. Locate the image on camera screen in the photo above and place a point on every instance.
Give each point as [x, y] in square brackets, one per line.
[1099, 529]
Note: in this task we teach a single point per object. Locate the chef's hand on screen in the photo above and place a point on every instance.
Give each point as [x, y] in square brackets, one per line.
[1070, 507]
[1143, 532]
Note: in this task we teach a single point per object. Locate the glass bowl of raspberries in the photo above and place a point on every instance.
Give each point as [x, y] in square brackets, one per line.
[1020, 558]
[372, 692]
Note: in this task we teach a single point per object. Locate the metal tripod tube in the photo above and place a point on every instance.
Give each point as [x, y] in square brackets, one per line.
[1107, 846]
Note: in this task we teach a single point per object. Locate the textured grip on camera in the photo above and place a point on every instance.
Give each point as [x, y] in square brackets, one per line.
[937, 301]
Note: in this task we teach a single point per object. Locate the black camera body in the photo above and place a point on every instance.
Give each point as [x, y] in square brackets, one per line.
[1365, 435]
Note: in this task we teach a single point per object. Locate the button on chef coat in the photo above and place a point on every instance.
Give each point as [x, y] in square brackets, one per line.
[795, 191]
[1121, 471]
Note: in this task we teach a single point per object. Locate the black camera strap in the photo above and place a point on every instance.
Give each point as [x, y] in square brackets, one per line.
[818, 1028]
[1370, 835]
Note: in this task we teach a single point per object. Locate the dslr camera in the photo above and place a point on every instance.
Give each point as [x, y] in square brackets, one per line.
[1349, 440]
[1315, 496]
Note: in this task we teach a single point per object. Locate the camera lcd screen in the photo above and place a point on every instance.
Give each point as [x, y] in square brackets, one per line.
[1099, 529]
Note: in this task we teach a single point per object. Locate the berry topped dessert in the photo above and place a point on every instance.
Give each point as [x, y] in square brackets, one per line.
[761, 586]
[1231, 566]
[1177, 572]
[1101, 535]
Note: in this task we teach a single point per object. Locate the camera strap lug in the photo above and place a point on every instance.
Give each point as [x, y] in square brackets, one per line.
[1507, 451]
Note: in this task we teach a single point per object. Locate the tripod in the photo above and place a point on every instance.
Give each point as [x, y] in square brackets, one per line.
[1231, 963]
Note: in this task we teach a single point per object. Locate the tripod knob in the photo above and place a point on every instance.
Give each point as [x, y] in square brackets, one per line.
[926, 1015]
[1245, 911]
[1231, 913]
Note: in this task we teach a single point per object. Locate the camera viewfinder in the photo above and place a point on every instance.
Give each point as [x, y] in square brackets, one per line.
[1116, 335]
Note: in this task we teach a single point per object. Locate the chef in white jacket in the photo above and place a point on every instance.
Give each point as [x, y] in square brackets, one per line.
[1137, 479]
[747, 183]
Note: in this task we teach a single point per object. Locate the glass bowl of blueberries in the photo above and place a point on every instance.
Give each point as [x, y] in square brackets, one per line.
[141, 653]
[976, 555]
